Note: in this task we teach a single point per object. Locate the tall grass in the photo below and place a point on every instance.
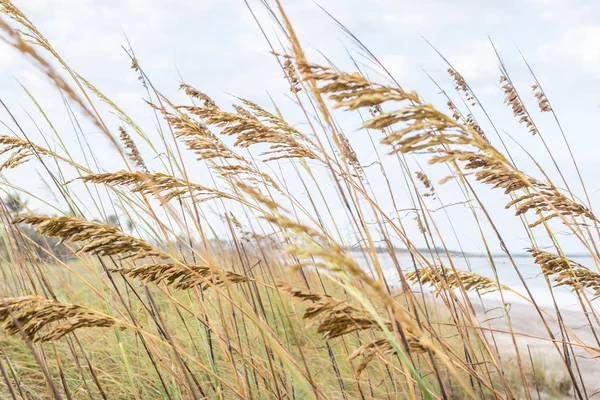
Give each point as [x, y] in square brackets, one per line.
[240, 287]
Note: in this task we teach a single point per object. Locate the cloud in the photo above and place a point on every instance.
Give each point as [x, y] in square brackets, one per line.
[576, 50]
[399, 66]
[218, 48]
[476, 61]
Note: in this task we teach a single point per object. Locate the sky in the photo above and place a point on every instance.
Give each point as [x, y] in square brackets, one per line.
[216, 46]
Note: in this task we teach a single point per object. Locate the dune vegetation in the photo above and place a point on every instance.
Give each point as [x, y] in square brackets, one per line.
[150, 284]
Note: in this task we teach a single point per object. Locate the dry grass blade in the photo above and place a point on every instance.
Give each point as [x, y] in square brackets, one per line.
[162, 186]
[22, 41]
[29, 315]
[182, 276]
[565, 272]
[101, 239]
[248, 174]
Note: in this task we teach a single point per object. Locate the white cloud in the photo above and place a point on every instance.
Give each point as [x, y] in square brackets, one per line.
[577, 49]
[399, 66]
[477, 61]
[584, 45]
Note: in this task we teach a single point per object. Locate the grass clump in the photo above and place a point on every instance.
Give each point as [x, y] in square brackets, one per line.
[243, 283]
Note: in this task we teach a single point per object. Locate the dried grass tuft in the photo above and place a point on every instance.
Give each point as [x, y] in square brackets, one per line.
[133, 153]
[423, 127]
[381, 347]
[22, 151]
[517, 106]
[437, 276]
[565, 272]
[334, 318]
[101, 239]
[30, 315]
[162, 186]
[182, 276]
[255, 125]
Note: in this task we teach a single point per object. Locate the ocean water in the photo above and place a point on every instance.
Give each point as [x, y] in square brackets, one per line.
[506, 273]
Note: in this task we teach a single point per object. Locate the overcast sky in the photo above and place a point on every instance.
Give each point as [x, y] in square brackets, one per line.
[216, 46]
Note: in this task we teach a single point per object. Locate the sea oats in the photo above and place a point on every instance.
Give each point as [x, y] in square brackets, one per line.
[353, 91]
[461, 85]
[248, 174]
[198, 138]
[257, 195]
[30, 315]
[421, 176]
[380, 346]
[348, 153]
[283, 141]
[198, 95]
[182, 276]
[453, 279]
[565, 272]
[334, 318]
[292, 76]
[99, 238]
[20, 151]
[517, 106]
[133, 153]
[541, 98]
[423, 127]
[162, 186]
[420, 224]
[455, 113]
[470, 121]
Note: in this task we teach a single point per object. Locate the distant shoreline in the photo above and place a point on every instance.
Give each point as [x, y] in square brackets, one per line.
[400, 251]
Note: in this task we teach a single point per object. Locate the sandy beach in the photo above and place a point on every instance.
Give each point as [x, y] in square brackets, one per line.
[531, 334]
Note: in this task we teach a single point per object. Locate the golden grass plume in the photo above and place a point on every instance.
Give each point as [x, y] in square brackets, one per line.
[20, 151]
[182, 276]
[30, 315]
[133, 153]
[469, 280]
[162, 186]
[101, 239]
[334, 318]
[565, 272]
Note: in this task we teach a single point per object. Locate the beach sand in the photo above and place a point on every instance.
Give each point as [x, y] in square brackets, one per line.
[533, 335]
